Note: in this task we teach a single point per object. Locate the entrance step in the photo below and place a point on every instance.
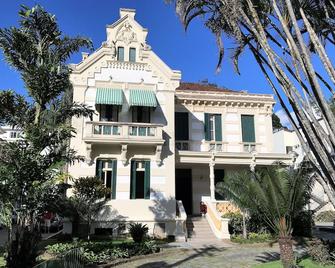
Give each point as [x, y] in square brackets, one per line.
[198, 229]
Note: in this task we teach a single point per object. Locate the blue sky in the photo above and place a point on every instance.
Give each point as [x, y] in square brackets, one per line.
[193, 52]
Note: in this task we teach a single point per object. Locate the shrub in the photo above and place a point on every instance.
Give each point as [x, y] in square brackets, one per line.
[253, 238]
[138, 231]
[235, 223]
[326, 216]
[256, 224]
[320, 252]
[104, 251]
[303, 224]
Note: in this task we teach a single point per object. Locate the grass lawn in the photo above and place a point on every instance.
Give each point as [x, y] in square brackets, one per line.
[306, 263]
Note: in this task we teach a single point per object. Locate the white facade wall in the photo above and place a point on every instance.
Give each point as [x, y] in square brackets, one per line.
[231, 127]
[102, 70]
[284, 138]
[9, 133]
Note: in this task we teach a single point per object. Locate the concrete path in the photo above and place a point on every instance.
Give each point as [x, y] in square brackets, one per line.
[209, 256]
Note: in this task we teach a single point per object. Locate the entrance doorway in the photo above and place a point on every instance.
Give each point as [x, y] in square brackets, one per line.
[184, 188]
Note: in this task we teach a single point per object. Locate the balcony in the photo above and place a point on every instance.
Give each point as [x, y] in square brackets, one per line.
[123, 132]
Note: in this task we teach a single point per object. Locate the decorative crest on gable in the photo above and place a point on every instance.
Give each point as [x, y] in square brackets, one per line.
[126, 34]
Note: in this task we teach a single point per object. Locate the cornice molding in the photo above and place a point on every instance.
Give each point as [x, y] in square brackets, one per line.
[224, 99]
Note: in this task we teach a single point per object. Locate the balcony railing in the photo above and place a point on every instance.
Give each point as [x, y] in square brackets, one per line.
[123, 131]
[216, 146]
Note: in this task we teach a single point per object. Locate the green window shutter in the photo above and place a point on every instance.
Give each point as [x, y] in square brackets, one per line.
[133, 180]
[207, 128]
[98, 169]
[218, 127]
[181, 126]
[132, 54]
[114, 166]
[248, 128]
[147, 180]
[120, 53]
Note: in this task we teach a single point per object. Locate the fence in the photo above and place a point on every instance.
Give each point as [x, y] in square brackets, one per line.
[73, 259]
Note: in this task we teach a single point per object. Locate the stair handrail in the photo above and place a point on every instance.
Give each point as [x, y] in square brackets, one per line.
[181, 216]
[218, 224]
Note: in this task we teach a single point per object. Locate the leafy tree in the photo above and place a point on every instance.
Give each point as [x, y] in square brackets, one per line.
[277, 194]
[89, 199]
[284, 36]
[276, 124]
[38, 50]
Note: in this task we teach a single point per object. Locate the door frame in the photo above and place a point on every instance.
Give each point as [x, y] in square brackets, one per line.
[191, 189]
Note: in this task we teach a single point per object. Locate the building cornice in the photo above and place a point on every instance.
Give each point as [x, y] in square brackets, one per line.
[224, 99]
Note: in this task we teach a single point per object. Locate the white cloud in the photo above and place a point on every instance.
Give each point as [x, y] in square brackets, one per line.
[284, 119]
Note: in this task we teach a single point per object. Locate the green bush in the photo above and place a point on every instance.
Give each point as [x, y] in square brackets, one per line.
[254, 223]
[104, 251]
[253, 238]
[321, 252]
[138, 231]
[326, 216]
[303, 224]
[235, 223]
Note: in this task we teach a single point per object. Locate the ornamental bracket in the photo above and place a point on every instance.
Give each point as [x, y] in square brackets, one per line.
[159, 155]
[88, 153]
[124, 149]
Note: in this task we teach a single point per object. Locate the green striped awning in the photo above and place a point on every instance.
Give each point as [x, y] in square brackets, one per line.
[109, 96]
[141, 97]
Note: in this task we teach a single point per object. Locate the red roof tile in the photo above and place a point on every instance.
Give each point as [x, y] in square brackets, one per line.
[202, 87]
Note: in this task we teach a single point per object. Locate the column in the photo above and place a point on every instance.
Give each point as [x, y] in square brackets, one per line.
[212, 177]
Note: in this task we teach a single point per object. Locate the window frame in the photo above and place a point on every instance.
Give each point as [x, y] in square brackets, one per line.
[133, 179]
[103, 173]
[243, 127]
[13, 134]
[119, 54]
[115, 113]
[143, 110]
[130, 54]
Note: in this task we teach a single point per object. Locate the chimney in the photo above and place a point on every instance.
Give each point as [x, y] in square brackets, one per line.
[127, 11]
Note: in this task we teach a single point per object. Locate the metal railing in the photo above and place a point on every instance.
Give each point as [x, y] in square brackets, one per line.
[73, 259]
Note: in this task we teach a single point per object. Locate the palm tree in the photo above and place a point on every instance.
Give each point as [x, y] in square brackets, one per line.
[276, 193]
[283, 35]
[39, 51]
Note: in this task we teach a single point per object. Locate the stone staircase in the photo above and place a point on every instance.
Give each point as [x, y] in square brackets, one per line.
[198, 230]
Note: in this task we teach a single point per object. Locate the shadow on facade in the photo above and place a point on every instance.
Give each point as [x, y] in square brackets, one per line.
[110, 218]
[164, 210]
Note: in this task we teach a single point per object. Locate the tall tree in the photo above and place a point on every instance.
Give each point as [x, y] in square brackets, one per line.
[276, 124]
[89, 199]
[277, 194]
[38, 50]
[286, 39]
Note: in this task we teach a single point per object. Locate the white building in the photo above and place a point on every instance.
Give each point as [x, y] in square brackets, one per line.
[287, 141]
[9, 133]
[158, 144]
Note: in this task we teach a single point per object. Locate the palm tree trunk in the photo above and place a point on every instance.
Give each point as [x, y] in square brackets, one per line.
[245, 235]
[37, 113]
[286, 251]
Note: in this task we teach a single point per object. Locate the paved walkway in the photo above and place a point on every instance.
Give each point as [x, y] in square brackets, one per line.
[209, 256]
